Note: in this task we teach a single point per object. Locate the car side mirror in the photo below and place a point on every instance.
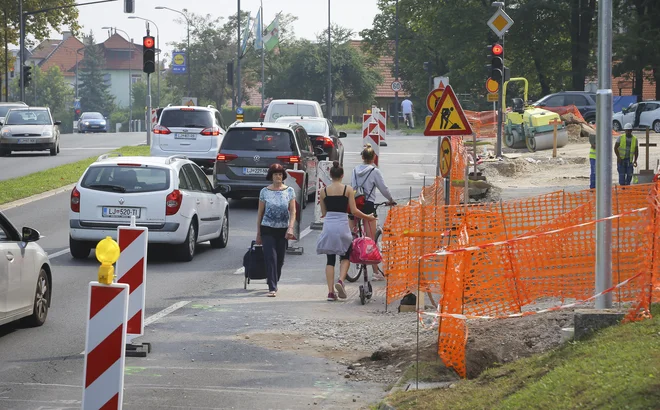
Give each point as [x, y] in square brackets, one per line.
[57, 122]
[342, 134]
[30, 235]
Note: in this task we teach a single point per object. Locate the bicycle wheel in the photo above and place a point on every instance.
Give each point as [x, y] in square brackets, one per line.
[379, 243]
[354, 272]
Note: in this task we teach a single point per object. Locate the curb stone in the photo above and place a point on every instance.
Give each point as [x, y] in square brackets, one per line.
[37, 197]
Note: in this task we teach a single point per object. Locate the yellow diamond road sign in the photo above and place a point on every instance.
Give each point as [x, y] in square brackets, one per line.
[500, 22]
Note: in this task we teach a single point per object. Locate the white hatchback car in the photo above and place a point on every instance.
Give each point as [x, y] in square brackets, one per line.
[195, 132]
[171, 196]
[26, 281]
[292, 108]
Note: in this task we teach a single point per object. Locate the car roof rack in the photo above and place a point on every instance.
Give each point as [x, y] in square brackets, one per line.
[106, 156]
[173, 158]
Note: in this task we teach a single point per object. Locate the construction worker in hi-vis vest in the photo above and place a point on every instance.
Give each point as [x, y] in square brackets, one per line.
[626, 150]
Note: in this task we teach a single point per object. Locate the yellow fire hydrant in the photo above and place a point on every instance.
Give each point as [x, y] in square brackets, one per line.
[107, 252]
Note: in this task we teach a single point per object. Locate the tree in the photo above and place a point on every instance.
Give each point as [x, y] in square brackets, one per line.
[94, 91]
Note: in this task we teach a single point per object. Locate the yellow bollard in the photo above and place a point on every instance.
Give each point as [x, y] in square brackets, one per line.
[107, 252]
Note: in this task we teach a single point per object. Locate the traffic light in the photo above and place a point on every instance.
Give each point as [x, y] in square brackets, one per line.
[27, 75]
[497, 62]
[129, 6]
[148, 54]
[230, 73]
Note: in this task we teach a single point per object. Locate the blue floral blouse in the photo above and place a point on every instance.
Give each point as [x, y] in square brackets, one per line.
[276, 214]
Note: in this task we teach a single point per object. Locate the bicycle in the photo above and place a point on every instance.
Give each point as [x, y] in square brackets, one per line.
[356, 270]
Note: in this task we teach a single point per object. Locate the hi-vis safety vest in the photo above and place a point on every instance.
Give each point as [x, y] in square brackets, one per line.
[592, 153]
[623, 145]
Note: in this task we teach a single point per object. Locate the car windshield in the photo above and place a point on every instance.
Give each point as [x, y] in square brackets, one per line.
[126, 179]
[5, 108]
[91, 116]
[248, 139]
[284, 110]
[28, 117]
[186, 118]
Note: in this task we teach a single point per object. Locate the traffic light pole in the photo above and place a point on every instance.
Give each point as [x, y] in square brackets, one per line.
[501, 108]
[148, 120]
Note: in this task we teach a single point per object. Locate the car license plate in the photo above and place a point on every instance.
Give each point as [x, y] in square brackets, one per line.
[27, 141]
[255, 171]
[180, 136]
[117, 212]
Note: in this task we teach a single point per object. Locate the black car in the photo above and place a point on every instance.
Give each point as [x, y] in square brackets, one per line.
[324, 137]
[92, 122]
[583, 100]
[249, 148]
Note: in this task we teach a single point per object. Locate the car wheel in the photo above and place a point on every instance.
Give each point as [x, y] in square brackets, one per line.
[186, 250]
[41, 301]
[222, 240]
[53, 150]
[616, 125]
[4, 153]
[656, 126]
[79, 249]
[58, 146]
[590, 120]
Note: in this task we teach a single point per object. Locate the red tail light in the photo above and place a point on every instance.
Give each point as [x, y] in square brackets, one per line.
[290, 159]
[226, 157]
[211, 131]
[159, 129]
[328, 142]
[173, 202]
[75, 200]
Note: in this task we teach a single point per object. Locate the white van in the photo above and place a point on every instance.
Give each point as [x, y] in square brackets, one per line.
[287, 108]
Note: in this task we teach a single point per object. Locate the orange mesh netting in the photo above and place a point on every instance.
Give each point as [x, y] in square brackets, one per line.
[551, 263]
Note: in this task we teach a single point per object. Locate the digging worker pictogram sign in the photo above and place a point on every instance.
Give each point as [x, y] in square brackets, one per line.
[445, 157]
[448, 117]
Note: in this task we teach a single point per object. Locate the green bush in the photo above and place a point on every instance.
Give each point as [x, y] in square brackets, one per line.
[119, 116]
[66, 116]
[250, 113]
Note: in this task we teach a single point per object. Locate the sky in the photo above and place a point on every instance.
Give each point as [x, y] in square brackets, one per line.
[312, 16]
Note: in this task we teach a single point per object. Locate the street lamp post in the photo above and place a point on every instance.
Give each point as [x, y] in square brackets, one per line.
[130, 76]
[239, 97]
[158, 47]
[188, 57]
[396, 64]
[328, 102]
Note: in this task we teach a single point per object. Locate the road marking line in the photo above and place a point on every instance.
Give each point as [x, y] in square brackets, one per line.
[58, 253]
[157, 316]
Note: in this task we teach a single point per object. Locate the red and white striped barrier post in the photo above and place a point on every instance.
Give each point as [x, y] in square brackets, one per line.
[381, 119]
[154, 118]
[132, 270]
[295, 180]
[107, 315]
[323, 180]
[374, 139]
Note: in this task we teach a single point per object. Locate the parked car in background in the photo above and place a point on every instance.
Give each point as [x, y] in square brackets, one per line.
[6, 106]
[26, 280]
[29, 129]
[170, 196]
[92, 122]
[249, 148]
[195, 132]
[640, 115]
[296, 108]
[584, 101]
[324, 137]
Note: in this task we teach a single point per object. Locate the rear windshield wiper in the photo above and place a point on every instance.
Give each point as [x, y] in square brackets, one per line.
[117, 188]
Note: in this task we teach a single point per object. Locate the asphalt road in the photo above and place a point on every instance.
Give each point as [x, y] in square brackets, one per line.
[73, 147]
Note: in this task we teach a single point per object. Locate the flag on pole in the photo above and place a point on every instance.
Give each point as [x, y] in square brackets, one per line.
[246, 34]
[258, 32]
[272, 35]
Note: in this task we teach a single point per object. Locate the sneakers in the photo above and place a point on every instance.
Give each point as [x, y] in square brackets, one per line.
[332, 297]
[378, 276]
[341, 292]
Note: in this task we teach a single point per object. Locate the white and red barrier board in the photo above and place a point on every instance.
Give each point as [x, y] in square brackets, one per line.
[374, 139]
[103, 383]
[296, 181]
[132, 270]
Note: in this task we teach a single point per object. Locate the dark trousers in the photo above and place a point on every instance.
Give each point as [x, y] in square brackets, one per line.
[625, 169]
[592, 177]
[274, 246]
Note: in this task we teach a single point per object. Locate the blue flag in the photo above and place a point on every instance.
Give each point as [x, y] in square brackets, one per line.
[258, 32]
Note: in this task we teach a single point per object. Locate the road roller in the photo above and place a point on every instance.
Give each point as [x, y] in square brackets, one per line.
[531, 127]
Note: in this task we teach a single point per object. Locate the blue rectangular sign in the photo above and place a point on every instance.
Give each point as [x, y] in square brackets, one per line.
[179, 62]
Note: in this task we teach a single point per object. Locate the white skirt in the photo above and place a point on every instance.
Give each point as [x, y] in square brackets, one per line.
[336, 237]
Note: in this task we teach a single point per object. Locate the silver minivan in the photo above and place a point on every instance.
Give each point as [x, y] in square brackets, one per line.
[295, 108]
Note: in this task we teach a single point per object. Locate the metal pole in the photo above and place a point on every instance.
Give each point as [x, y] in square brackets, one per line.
[239, 97]
[500, 112]
[21, 47]
[188, 54]
[396, 65]
[437, 167]
[147, 124]
[604, 155]
[328, 101]
[263, 72]
[77, 73]
[130, 85]
[6, 61]
[34, 71]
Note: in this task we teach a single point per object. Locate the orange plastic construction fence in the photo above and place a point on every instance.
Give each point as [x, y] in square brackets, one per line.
[526, 254]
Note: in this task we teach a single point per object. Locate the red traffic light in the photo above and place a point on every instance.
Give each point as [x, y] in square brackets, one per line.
[148, 42]
[497, 50]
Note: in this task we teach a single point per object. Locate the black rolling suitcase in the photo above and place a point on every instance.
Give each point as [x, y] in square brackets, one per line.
[253, 262]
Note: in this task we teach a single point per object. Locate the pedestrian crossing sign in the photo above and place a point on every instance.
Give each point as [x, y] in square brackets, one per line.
[448, 117]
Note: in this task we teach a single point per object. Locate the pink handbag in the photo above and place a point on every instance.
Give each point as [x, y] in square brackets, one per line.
[365, 252]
